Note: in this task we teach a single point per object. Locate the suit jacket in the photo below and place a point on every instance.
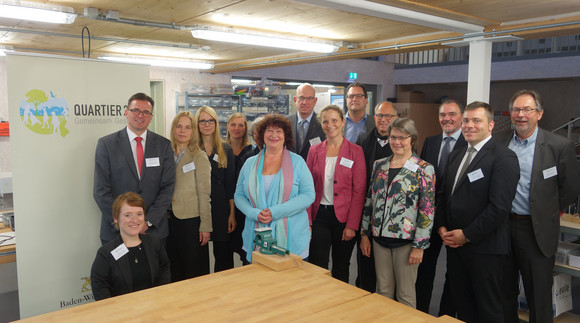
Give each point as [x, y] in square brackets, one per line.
[349, 182]
[480, 207]
[116, 173]
[314, 131]
[549, 196]
[368, 142]
[110, 277]
[430, 152]
[193, 188]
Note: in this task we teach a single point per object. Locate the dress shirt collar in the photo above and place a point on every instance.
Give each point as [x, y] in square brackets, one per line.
[481, 143]
[454, 135]
[528, 141]
[363, 120]
[309, 119]
[133, 135]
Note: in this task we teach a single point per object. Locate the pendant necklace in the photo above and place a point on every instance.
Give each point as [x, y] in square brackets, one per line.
[137, 254]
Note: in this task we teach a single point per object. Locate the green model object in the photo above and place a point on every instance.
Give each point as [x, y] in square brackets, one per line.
[267, 243]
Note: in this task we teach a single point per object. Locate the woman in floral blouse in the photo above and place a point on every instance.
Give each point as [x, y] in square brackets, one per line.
[398, 214]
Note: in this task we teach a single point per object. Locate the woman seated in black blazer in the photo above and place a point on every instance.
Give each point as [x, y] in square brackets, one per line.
[133, 261]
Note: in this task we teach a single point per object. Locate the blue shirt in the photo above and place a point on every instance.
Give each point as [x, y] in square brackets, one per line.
[525, 150]
[353, 129]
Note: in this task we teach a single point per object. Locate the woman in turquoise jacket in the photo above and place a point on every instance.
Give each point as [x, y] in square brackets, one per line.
[274, 189]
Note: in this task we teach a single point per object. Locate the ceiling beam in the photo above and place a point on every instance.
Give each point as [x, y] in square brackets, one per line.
[383, 11]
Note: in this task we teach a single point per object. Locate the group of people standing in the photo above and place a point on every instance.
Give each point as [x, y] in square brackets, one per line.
[328, 181]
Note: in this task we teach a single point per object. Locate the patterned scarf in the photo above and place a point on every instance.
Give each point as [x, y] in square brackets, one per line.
[259, 200]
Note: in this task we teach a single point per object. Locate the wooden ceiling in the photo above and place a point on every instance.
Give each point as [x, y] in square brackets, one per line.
[368, 31]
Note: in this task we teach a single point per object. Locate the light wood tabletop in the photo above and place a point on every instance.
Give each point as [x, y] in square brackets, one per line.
[248, 293]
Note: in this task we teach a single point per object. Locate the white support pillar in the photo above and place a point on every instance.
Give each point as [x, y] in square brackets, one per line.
[479, 75]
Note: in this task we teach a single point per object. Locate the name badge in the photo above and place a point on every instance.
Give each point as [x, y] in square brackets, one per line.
[216, 158]
[188, 167]
[314, 141]
[152, 162]
[120, 251]
[346, 162]
[411, 166]
[475, 175]
[550, 172]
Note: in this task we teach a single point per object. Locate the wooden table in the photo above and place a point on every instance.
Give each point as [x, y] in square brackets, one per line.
[7, 253]
[250, 293]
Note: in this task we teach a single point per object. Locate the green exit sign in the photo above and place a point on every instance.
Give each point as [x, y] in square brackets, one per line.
[353, 76]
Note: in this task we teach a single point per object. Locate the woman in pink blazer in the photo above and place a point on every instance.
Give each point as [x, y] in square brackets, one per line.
[339, 172]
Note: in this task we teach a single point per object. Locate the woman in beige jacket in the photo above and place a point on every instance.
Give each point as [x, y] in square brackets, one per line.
[190, 222]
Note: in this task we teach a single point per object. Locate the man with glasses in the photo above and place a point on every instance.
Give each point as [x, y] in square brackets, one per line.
[375, 145]
[357, 120]
[137, 160]
[549, 182]
[436, 150]
[306, 128]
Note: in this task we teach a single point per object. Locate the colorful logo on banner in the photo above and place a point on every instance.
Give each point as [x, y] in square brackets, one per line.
[44, 115]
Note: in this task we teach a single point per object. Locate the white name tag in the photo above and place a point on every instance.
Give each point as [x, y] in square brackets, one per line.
[188, 167]
[346, 162]
[120, 251]
[475, 175]
[411, 166]
[314, 141]
[550, 172]
[152, 162]
[216, 158]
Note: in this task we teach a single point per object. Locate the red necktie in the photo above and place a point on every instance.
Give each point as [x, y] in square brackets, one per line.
[139, 154]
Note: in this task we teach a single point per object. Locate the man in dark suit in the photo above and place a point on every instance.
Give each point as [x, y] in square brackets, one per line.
[137, 160]
[357, 121]
[306, 128]
[375, 145]
[549, 182]
[436, 150]
[473, 204]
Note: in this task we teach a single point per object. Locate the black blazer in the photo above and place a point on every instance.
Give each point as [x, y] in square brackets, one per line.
[110, 277]
[549, 196]
[430, 152]
[367, 141]
[314, 130]
[116, 173]
[481, 207]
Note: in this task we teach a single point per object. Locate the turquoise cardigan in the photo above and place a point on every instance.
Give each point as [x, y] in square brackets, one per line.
[294, 209]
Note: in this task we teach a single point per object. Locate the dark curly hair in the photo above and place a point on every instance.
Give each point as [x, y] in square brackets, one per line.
[278, 121]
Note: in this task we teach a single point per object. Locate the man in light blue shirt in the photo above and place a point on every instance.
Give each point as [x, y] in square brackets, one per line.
[357, 121]
[549, 182]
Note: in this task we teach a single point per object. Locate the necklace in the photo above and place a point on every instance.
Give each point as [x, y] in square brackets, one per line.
[136, 254]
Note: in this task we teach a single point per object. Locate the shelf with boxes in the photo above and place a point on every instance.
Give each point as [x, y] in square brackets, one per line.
[568, 254]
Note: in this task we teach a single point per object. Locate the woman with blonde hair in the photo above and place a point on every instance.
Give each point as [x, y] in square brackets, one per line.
[237, 137]
[221, 158]
[190, 222]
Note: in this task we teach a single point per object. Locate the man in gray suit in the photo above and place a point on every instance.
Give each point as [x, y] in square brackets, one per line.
[549, 182]
[137, 160]
[357, 121]
[305, 125]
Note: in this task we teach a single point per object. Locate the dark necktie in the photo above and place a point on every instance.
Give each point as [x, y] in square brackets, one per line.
[301, 133]
[444, 155]
[470, 152]
[140, 155]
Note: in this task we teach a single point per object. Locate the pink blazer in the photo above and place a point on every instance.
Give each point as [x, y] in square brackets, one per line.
[349, 182]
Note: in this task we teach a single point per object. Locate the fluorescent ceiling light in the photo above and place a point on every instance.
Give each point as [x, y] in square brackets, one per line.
[37, 12]
[495, 39]
[240, 81]
[4, 49]
[199, 65]
[262, 39]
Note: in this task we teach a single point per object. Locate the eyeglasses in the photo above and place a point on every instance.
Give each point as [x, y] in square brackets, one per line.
[306, 98]
[137, 112]
[526, 111]
[210, 122]
[393, 138]
[358, 96]
[388, 116]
